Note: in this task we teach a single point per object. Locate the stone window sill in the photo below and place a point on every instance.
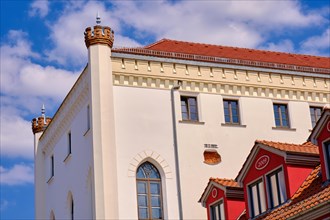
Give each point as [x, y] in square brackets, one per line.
[284, 128]
[233, 125]
[191, 122]
[67, 158]
[50, 180]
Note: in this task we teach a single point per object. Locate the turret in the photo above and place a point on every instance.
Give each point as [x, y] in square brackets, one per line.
[99, 35]
[40, 124]
[99, 41]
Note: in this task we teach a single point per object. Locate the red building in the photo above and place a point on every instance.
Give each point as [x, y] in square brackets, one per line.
[280, 180]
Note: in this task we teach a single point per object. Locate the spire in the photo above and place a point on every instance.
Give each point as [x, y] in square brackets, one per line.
[98, 18]
[43, 113]
[40, 123]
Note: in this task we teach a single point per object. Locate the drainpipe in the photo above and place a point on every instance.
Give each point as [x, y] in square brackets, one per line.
[176, 152]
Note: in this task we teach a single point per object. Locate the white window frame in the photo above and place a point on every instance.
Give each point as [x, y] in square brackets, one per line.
[221, 205]
[230, 111]
[199, 104]
[282, 185]
[262, 193]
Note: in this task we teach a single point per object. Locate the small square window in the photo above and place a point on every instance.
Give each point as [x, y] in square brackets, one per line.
[231, 111]
[281, 115]
[315, 113]
[189, 108]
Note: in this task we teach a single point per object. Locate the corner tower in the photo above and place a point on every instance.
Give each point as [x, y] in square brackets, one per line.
[39, 124]
[99, 41]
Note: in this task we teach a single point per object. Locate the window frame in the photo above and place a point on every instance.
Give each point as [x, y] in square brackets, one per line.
[230, 110]
[251, 201]
[149, 195]
[281, 116]
[188, 107]
[326, 153]
[221, 214]
[279, 185]
[313, 115]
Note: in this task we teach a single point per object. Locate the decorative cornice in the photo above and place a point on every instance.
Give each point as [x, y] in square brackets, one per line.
[69, 108]
[211, 59]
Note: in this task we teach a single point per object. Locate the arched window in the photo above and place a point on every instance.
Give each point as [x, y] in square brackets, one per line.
[52, 215]
[71, 206]
[149, 192]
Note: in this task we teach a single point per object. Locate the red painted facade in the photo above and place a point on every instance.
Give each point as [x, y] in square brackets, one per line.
[323, 137]
[296, 176]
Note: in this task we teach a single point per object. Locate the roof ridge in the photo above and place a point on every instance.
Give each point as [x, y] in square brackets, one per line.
[305, 144]
[155, 43]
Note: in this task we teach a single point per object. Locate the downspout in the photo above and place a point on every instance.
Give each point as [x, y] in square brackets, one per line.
[176, 152]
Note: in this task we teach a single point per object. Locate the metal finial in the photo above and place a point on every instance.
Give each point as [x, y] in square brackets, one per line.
[43, 111]
[98, 18]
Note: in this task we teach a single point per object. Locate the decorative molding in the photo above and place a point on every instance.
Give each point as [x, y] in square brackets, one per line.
[69, 108]
[143, 156]
[227, 81]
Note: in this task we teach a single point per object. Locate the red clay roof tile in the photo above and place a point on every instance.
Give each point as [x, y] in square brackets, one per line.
[306, 147]
[239, 53]
[309, 195]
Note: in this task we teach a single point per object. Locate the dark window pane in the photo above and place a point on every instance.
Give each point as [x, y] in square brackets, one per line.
[143, 213]
[155, 188]
[225, 103]
[227, 118]
[192, 101]
[142, 188]
[143, 201]
[155, 201]
[156, 213]
[235, 119]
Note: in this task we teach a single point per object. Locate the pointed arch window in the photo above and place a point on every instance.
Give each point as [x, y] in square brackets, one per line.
[149, 190]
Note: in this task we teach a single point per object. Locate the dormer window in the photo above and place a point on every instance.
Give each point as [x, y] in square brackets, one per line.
[257, 202]
[218, 211]
[276, 188]
[327, 158]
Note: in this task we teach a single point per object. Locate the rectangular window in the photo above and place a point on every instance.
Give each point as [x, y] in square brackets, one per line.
[69, 143]
[257, 201]
[327, 157]
[281, 115]
[276, 188]
[218, 211]
[88, 118]
[315, 114]
[231, 111]
[189, 108]
[52, 166]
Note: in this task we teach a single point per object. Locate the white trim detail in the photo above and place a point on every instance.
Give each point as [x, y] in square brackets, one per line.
[143, 156]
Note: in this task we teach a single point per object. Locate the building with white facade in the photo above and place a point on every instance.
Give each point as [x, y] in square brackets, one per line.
[115, 150]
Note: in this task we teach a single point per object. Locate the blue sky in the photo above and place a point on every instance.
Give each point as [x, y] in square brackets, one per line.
[43, 52]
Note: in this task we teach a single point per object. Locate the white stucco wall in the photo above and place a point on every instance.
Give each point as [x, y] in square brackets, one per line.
[71, 173]
[143, 123]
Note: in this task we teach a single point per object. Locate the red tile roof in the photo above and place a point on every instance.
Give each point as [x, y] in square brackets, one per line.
[239, 53]
[306, 147]
[233, 55]
[225, 182]
[311, 194]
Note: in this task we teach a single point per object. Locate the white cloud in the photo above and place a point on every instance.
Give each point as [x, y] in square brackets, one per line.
[25, 86]
[282, 46]
[16, 136]
[317, 44]
[236, 23]
[39, 8]
[19, 174]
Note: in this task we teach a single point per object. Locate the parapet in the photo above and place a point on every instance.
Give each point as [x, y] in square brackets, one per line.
[40, 124]
[99, 35]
